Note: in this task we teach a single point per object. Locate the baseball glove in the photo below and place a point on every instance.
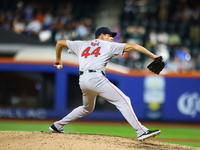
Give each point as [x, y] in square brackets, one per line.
[157, 65]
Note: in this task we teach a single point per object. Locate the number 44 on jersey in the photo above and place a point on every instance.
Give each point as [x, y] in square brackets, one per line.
[95, 52]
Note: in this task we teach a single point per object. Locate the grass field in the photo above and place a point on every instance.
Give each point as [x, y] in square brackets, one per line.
[179, 135]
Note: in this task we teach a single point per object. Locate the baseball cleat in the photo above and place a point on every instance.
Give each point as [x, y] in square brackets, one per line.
[148, 134]
[55, 130]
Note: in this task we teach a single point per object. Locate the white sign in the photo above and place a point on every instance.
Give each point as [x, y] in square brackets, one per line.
[189, 104]
[18, 113]
[154, 89]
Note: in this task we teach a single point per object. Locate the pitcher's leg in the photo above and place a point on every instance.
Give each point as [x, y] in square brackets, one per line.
[89, 100]
[123, 103]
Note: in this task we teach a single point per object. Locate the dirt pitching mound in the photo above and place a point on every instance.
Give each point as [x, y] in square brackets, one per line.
[13, 140]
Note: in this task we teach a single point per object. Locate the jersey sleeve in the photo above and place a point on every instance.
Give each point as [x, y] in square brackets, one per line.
[117, 48]
[74, 46]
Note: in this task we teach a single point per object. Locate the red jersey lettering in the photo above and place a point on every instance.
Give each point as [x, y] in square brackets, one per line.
[95, 52]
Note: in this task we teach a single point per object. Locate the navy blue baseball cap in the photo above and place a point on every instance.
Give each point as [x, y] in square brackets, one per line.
[104, 30]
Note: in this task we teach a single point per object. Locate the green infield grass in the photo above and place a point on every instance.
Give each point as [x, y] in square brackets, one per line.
[177, 135]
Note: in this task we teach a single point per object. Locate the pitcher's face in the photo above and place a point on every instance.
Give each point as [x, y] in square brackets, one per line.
[107, 37]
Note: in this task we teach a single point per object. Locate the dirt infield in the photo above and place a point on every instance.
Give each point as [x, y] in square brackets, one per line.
[20, 140]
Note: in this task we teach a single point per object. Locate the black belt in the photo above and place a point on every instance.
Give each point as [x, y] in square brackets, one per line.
[81, 72]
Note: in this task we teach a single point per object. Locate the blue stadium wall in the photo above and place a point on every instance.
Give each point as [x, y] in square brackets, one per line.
[153, 97]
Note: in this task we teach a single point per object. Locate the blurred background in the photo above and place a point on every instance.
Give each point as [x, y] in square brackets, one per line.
[31, 87]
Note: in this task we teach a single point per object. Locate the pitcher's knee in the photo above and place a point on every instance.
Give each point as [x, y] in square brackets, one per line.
[87, 110]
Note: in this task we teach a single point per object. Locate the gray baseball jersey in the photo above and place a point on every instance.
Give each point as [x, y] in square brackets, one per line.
[94, 55]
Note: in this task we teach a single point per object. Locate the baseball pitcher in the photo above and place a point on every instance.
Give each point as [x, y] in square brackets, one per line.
[93, 57]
